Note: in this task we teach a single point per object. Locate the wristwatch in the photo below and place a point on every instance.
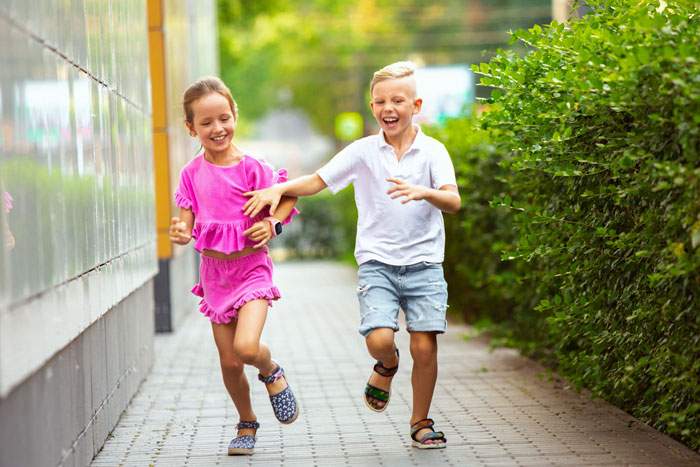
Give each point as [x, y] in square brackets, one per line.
[275, 224]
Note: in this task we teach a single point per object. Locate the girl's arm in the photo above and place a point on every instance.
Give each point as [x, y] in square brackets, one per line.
[445, 199]
[261, 232]
[303, 186]
[181, 227]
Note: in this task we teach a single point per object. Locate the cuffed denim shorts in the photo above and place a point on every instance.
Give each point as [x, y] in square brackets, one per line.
[419, 290]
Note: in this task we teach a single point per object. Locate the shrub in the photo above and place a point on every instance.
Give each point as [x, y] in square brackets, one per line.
[484, 290]
[601, 121]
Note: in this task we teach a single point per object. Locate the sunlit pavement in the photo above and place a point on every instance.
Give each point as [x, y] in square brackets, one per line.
[492, 406]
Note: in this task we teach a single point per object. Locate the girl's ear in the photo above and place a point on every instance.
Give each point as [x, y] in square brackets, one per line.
[190, 129]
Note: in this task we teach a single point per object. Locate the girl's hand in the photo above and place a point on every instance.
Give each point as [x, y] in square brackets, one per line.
[411, 192]
[261, 198]
[260, 232]
[178, 232]
[9, 239]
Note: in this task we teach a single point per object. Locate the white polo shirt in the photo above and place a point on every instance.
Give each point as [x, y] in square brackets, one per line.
[388, 231]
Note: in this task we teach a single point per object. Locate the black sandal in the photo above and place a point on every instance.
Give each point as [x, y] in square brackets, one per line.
[420, 444]
[380, 394]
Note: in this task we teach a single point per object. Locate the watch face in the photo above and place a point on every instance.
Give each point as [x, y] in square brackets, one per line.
[278, 228]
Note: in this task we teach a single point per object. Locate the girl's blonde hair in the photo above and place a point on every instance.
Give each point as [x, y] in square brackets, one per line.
[201, 88]
[394, 71]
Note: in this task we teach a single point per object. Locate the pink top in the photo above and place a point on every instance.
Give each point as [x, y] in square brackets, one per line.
[8, 202]
[215, 195]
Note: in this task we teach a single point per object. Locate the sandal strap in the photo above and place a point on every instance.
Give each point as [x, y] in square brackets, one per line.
[254, 425]
[376, 393]
[433, 435]
[276, 374]
[425, 423]
[384, 371]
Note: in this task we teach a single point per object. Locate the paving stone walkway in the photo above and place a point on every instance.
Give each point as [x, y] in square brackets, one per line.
[492, 406]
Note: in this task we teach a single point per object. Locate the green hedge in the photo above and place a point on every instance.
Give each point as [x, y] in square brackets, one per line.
[326, 227]
[598, 127]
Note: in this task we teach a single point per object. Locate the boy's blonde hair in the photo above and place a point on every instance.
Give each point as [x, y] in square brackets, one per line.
[394, 71]
[201, 88]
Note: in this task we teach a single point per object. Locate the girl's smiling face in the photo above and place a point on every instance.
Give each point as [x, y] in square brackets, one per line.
[394, 104]
[213, 122]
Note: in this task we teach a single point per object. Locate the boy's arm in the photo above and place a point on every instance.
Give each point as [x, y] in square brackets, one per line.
[445, 199]
[261, 232]
[303, 186]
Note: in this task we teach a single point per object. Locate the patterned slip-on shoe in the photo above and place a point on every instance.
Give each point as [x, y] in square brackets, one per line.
[284, 404]
[244, 444]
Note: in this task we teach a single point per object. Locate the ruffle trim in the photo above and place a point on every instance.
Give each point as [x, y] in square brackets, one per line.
[181, 201]
[228, 237]
[7, 202]
[225, 237]
[214, 316]
[281, 176]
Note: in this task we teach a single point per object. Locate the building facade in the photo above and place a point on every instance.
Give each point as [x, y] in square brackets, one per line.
[79, 249]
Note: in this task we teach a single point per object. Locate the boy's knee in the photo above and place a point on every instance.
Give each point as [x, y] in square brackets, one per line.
[423, 349]
[380, 339]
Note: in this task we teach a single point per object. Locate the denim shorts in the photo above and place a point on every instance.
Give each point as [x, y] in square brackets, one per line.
[419, 290]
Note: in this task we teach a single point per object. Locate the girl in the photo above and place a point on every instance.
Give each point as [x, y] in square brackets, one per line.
[236, 272]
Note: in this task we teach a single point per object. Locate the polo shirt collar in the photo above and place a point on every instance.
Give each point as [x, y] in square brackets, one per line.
[418, 142]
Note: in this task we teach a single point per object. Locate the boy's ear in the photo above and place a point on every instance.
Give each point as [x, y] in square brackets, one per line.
[417, 104]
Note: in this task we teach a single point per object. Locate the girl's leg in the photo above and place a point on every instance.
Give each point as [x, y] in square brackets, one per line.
[380, 344]
[232, 370]
[247, 345]
[425, 368]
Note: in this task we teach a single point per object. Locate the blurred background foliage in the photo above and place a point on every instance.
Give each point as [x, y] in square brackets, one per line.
[319, 55]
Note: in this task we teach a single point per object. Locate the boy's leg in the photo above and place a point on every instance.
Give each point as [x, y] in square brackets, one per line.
[424, 301]
[379, 308]
[425, 368]
[235, 380]
[380, 344]
[247, 345]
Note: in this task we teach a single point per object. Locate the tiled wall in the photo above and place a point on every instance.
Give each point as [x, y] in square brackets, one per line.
[75, 158]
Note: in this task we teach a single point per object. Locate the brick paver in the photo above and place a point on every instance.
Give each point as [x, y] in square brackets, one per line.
[492, 406]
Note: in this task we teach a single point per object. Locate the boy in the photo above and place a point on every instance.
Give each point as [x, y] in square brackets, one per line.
[403, 180]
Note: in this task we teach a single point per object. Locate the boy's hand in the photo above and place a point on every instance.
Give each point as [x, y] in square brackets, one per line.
[411, 192]
[261, 198]
[178, 232]
[260, 232]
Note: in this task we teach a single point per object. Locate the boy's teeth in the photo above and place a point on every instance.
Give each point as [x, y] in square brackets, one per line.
[391, 120]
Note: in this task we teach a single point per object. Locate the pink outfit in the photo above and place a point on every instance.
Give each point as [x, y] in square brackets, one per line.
[215, 195]
[8, 202]
[225, 285]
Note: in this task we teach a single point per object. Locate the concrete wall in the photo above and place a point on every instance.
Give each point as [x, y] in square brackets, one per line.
[77, 243]
[183, 47]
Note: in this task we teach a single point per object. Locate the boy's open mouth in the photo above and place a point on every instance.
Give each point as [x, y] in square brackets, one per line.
[391, 120]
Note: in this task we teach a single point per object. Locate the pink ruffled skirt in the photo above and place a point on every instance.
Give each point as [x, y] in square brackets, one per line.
[225, 285]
